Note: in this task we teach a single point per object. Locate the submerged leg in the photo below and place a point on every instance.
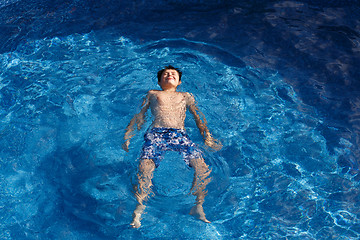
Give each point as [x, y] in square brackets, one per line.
[143, 190]
[201, 179]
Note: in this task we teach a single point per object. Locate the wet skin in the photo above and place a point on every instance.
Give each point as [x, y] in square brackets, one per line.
[169, 110]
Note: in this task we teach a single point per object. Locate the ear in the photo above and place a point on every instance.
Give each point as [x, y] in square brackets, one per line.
[179, 82]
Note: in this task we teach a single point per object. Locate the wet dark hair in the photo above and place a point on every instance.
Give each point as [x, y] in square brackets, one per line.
[168, 67]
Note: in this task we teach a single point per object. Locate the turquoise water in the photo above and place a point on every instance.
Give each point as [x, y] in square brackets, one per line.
[284, 171]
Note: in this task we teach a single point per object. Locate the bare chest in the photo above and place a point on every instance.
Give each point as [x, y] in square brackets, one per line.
[174, 101]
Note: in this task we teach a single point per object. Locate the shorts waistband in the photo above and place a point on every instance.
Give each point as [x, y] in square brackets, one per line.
[166, 130]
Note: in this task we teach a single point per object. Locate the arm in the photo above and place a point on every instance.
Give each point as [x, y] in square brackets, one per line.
[201, 123]
[139, 120]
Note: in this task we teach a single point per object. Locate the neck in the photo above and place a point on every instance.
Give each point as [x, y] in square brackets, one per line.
[169, 89]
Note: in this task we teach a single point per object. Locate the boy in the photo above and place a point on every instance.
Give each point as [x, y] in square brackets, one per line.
[167, 133]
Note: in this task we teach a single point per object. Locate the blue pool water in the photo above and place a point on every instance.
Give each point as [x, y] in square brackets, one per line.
[277, 80]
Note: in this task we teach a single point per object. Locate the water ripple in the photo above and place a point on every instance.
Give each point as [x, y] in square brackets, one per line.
[67, 100]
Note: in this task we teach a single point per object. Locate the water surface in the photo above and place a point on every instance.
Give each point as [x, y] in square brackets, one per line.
[276, 81]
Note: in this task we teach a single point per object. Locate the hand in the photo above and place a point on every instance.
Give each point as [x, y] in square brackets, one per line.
[125, 145]
[213, 143]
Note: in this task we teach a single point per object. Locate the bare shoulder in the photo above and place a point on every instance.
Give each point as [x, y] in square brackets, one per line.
[152, 92]
[186, 94]
[150, 95]
[190, 100]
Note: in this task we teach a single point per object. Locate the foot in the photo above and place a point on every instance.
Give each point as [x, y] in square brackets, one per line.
[135, 223]
[137, 216]
[198, 211]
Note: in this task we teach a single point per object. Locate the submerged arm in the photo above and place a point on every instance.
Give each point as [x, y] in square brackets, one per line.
[137, 120]
[201, 123]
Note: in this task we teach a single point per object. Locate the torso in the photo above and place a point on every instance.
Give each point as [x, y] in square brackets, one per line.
[168, 108]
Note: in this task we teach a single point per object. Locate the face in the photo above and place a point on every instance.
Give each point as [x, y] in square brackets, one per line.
[170, 77]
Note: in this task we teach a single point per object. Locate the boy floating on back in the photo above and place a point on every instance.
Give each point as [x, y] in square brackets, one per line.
[167, 133]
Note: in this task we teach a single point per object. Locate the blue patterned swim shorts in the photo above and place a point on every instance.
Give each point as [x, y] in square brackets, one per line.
[159, 140]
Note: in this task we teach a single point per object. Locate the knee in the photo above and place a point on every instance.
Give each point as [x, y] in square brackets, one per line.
[146, 165]
[200, 166]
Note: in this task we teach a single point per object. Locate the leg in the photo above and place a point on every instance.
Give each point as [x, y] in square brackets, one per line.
[143, 190]
[201, 179]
